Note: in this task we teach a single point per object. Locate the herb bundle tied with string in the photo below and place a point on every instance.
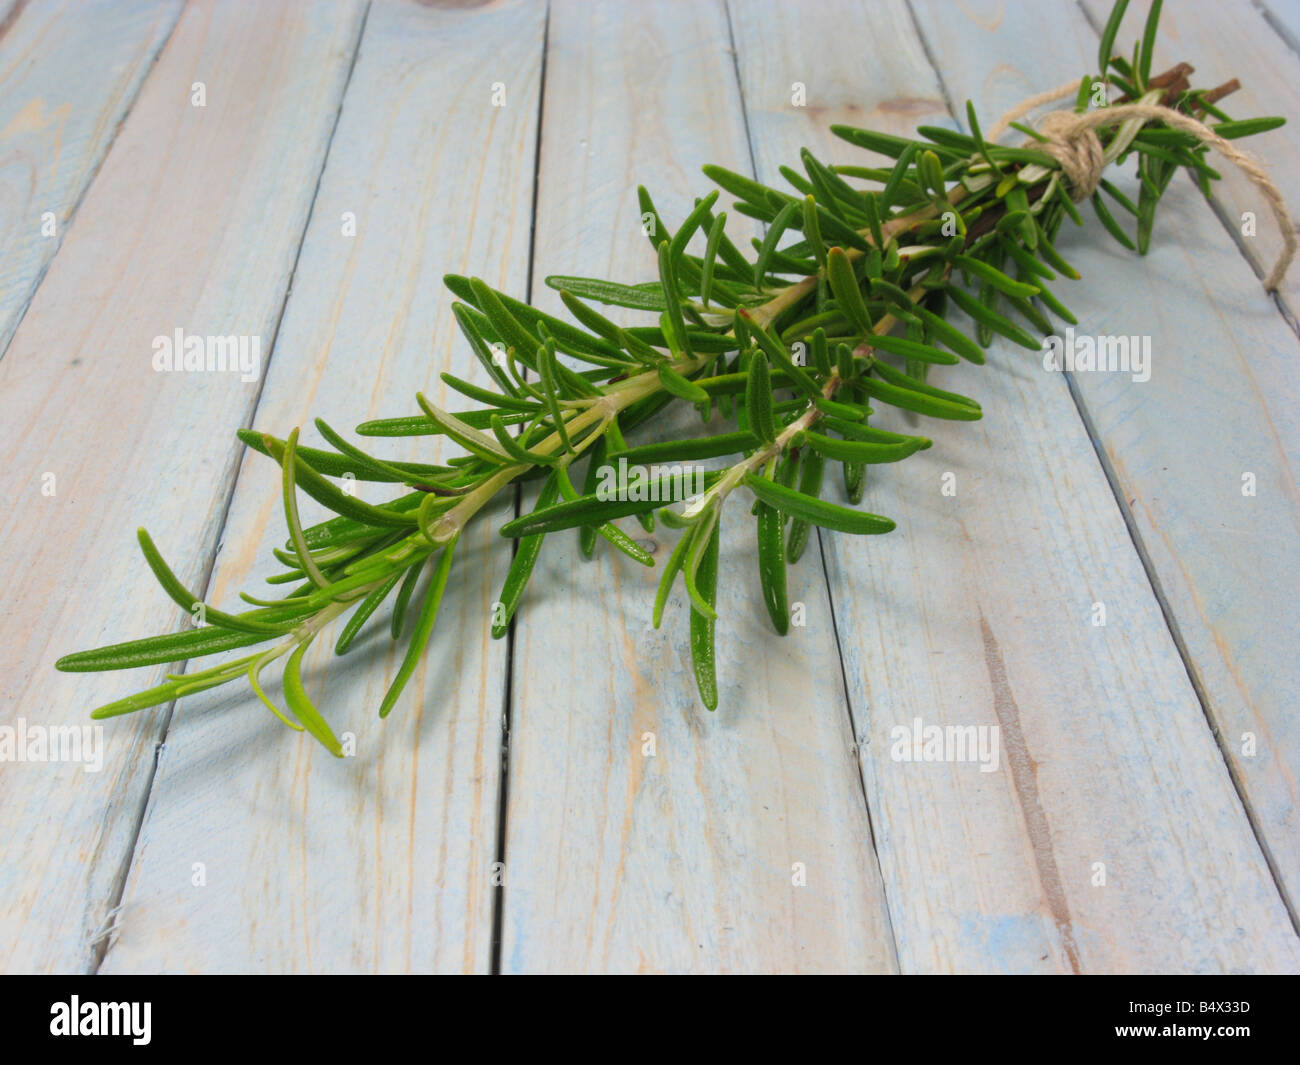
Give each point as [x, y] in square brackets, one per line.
[843, 304]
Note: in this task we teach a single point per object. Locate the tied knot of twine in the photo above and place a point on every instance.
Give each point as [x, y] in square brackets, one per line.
[1077, 148]
[1072, 140]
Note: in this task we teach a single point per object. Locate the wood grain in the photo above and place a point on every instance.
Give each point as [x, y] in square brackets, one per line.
[193, 222]
[383, 862]
[684, 860]
[68, 73]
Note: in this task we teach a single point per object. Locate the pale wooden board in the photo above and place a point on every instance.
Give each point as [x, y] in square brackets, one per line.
[1222, 400]
[68, 73]
[681, 861]
[193, 221]
[383, 862]
[1222, 41]
[977, 613]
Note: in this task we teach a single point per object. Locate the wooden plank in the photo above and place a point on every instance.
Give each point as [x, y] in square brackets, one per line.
[682, 861]
[1222, 41]
[193, 222]
[70, 72]
[383, 862]
[1221, 402]
[976, 613]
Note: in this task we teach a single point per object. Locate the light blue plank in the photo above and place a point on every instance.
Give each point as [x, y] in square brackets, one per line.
[69, 72]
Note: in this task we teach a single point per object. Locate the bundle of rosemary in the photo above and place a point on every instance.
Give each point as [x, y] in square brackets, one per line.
[844, 303]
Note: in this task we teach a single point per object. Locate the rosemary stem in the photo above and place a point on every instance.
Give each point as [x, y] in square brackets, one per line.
[791, 295]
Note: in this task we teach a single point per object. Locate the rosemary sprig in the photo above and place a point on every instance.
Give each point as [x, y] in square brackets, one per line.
[791, 342]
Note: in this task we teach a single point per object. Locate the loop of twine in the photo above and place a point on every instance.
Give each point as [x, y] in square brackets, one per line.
[1072, 140]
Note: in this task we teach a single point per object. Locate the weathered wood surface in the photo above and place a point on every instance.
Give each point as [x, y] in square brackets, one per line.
[977, 612]
[193, 221]
[382, 863]
[69, 71]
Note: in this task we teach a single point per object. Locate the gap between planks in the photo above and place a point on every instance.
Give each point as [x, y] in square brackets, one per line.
[507, 696]
[6, 23]
[119, 885]
[887, 915]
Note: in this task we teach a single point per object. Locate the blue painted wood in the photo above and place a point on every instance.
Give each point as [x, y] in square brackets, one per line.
[383, 862]
[194, 221]
[977, 612]
[69, 72]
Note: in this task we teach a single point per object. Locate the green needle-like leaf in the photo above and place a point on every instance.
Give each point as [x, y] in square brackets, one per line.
[1149, 41]
[362, 614]
[255, 666]
[844, 284]
[511, 447]
[400, 604]
[638, 297]
[994, 276]
[710, 257]
[674, 566]
[337, 500]
[157, 650]
[677, 385]
[423, 629]
[758, 400]
[811, 470]
[989, 317]
[774, 233]
[521, 567]
[911, 349]
[817, 511]
[703, 649]
[290, 467]
[296, 696]
[771, 566]
[862, 451]
[813, 231]
[187, 600]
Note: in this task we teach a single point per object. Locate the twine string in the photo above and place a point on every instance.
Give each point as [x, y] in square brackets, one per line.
[1072, 140]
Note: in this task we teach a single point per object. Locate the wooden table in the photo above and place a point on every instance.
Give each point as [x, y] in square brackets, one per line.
[305, 175]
